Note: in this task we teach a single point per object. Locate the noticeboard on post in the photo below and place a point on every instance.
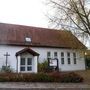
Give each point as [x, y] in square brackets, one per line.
[53, 62]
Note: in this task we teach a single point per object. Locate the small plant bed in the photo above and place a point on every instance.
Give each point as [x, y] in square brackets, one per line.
[41, 77]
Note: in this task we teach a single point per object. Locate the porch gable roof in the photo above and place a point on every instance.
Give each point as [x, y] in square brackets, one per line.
[32, 52]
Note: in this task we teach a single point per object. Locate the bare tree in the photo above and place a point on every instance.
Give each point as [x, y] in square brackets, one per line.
[71, 15]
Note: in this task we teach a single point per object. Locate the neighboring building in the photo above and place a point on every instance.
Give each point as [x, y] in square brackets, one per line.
[87, 57]
[87, 53]
[22, 47]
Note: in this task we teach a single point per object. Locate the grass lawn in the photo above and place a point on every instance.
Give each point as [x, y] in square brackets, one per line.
[86, 75]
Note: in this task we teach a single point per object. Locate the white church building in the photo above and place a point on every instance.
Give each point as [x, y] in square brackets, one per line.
[22, 47]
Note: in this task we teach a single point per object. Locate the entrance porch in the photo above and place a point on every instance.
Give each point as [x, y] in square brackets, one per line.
[27, 61]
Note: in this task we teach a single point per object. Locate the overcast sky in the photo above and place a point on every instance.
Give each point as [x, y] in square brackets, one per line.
[25, 12]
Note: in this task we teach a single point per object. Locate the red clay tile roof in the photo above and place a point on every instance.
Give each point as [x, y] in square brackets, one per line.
[11, 34]
[27, 50]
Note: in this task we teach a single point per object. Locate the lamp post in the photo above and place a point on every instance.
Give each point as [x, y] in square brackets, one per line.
[85, 59]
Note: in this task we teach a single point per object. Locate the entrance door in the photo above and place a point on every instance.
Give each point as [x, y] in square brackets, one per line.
[26, 65]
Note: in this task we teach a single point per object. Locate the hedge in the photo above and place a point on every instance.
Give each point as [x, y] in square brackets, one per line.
[41, 77]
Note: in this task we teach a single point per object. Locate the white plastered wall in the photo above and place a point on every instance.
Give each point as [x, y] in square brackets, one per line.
[66, 67]
[12, 60]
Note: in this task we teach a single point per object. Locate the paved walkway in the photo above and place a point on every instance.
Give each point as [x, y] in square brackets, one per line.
[43, 86]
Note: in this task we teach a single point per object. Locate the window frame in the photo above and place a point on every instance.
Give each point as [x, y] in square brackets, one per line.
[26, 65]
[62, 61]
[55, 54]
[74, 58]
[48, 55]
[68, 58]
[62, 58]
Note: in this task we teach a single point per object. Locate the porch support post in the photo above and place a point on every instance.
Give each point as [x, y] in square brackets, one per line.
[18, 64]
[35, 64]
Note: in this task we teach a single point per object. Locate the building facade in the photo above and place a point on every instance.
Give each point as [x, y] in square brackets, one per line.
[23, 47]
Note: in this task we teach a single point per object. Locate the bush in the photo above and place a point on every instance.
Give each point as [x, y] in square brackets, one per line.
[41, 77]
[56, 76]
[66, 77]
[6, 69]
[43, 67]
[71, 77]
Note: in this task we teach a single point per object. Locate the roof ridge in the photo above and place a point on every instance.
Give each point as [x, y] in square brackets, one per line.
[34, 27]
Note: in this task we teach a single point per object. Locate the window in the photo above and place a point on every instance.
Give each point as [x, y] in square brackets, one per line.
[29, 64]
[62, 54]
[22, 61]
[29, 61]
[68, 58]
[74, 58]
[62, 58]
[29, 68]
[22, 68]
[75, 62]
[55, 54]
[68, 54]
[69, 62]
[48, 55]
[26, 64]
[74, 54]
